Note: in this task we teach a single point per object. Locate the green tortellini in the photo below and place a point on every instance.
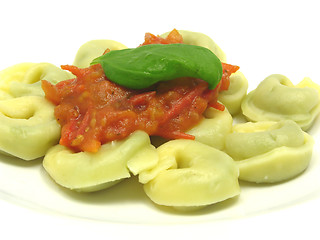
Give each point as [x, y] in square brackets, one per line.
[212, 130]
[93, 49]
[269, 151]
[200, 39]
[236, 92]
[87, 172]
[276, 98]
[24, 79]
[191, 174]
[28, 127]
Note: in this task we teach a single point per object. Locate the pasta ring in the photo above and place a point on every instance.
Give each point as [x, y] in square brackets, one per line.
[191, 174]
[268, 152]
[27, 127]
[276, 98]
[87, 172]
[24, 79]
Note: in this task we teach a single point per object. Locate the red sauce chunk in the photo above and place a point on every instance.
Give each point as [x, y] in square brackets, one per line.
[173, 37]
[92, 110]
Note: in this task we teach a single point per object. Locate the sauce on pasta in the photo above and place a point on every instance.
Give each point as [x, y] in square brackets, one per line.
[93, 110]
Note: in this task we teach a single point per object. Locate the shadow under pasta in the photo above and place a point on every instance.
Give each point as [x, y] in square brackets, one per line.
[128, 190]
[11, 160]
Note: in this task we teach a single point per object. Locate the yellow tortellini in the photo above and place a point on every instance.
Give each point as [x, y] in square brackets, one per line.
[269, 151]
[86, 172]
[307, 82]
[276, 98]
[200, 39]
[93, 49]
[212, 130]
[191, 174]
[236, 92]
[4, 95]
[28, 127]
[24, 79]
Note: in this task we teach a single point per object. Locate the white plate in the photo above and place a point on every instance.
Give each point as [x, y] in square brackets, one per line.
[262, 38]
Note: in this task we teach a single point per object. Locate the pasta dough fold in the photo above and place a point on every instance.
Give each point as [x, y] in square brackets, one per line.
[87, 172]
[191, 174]
[213, 128]
[232, 98]
[24, 79]
[276, 98]
[28, 127]
[269, 151]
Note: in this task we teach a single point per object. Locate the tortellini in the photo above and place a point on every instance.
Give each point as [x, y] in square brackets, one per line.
[191, 174]
[276, 98]
[4, 95]
[24, 79]
[28, 127]
[93, 49]
[86, 172]
[200, 39]
[307, 82]
[212, 130]
[268, 152]
[236, 92]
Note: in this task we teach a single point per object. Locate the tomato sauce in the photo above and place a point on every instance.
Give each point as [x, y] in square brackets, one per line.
[92, 110]
[173, 37]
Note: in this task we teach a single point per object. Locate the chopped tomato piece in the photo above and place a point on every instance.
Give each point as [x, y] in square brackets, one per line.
[173, 37]
[228, 69]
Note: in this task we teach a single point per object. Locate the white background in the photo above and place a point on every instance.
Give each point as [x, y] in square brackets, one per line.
[262, 37]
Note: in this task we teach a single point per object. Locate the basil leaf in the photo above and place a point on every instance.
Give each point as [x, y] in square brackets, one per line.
[141, 67]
